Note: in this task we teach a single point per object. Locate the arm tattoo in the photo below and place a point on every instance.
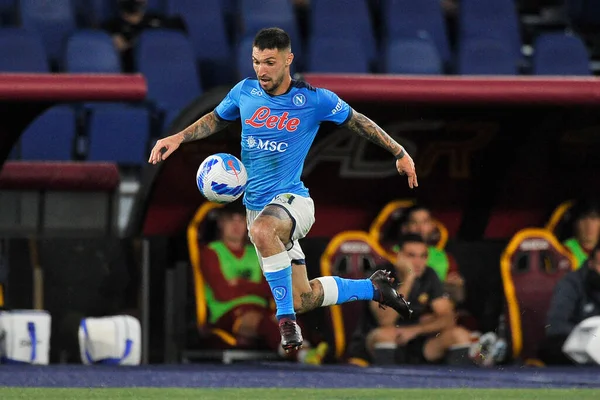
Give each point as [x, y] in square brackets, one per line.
[370, 130]
[204, 127]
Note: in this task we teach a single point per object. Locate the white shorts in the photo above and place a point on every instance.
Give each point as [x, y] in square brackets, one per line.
[302, 213]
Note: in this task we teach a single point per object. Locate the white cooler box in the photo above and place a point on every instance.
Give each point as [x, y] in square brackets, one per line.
[24, 337]
[583, 344]
[114, 340]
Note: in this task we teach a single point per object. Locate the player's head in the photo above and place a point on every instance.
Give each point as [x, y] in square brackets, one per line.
[587, 221]
[418, 220]
[413, 247]
[272, 56]
[232, 222]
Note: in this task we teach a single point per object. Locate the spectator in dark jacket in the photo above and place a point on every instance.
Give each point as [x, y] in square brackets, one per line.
[132, 19]
[576, 298]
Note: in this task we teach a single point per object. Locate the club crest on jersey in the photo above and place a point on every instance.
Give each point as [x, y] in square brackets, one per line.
[299, 100]
[262, 117]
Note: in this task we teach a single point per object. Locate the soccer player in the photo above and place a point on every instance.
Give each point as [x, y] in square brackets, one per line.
[280, 118]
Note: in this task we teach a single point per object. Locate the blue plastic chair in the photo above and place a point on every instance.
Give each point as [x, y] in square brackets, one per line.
[166, 58]
[21, 51]
[91, 51]
[50, 136]
[560, 54]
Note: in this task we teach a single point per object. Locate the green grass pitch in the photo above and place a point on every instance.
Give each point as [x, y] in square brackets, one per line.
[293, 394]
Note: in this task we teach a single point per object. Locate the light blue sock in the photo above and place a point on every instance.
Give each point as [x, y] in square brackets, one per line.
[281, 287]
[338, 290]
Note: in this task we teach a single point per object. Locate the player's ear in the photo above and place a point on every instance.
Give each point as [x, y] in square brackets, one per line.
[289, 59]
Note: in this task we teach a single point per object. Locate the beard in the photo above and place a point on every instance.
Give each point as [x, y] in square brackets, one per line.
[272, 85]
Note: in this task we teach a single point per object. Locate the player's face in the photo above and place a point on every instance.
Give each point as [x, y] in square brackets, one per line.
[271, 67]
[588, 229]
[421, 223]
[416, 253]
[233, 227]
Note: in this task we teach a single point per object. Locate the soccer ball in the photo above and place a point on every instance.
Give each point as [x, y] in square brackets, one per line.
[221, 178]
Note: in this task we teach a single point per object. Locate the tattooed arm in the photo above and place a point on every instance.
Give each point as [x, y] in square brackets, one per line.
[204, 127]
[370, 130]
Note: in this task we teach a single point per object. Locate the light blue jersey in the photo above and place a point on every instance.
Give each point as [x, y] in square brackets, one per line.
[277, 132]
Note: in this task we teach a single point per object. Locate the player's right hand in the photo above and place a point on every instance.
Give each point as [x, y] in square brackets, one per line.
[406, 165]
[163, 148]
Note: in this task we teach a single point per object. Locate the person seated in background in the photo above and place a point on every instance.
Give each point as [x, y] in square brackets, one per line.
[418, 220]
[236, 292]
[576, 298]
[586, 228]
[132, 19]
[432, 330]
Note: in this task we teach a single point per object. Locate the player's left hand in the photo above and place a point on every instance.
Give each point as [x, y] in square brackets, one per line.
[406, 334]
[406, 165]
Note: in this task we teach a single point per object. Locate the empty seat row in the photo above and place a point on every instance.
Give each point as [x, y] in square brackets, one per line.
[164, 57]
[413, 40]
[554, 54]
[348, 19]
[112, 132]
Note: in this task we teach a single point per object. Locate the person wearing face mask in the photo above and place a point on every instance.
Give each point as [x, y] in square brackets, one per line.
[586, 228]
[576, 298]
[131, 20]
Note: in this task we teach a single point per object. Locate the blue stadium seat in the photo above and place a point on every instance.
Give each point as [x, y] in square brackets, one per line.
[490, 19]
[119, 134]
[158, 6]
[411, 19]
[256, 15]
[92, 13]
[166, 58]
[486, 57]
[53, 20]
[21, 51]
[50, 136]
[337, 55]
[244, 58]
[412, 56]
[344, 19]
[205, 22]
[560, 54]
[91, 51]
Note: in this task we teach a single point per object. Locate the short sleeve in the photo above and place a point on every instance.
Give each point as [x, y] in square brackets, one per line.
[333, 109]
[436, 288]
[229, 108]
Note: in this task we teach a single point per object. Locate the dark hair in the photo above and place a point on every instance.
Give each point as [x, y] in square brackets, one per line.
[272, 38]
[584, 208]
[237, 207]
[408, 212]
[416, 207]
[410, 238]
